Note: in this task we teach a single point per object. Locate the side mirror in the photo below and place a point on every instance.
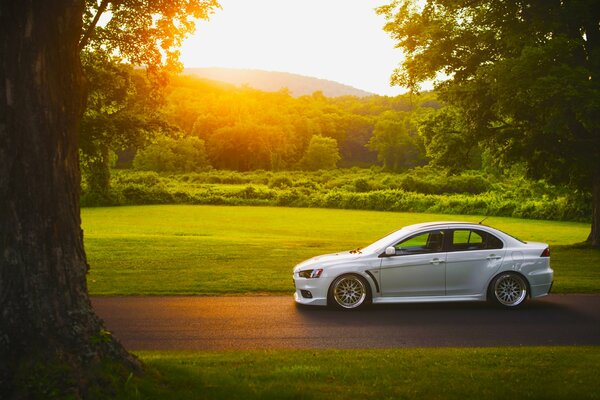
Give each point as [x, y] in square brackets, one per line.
[390, 251]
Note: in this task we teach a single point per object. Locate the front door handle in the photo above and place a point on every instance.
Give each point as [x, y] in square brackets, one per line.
[436, 261]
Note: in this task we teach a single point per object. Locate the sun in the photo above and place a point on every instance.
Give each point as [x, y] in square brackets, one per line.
[340, 40]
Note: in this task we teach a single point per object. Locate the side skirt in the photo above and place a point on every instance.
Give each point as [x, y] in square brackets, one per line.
[427, 299]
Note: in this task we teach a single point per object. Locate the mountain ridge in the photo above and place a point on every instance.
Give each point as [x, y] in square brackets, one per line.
[273, 81]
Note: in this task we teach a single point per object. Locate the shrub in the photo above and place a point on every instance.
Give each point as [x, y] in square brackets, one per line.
[173, 155]
[362, 185]
[146, 178]
[321, 153]
[280, 182]
[359, 189]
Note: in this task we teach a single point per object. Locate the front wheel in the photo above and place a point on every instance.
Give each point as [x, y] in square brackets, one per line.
[349, 292]
[508, 290]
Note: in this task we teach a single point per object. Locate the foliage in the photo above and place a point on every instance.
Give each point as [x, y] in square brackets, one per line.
[423, 189]
[246, 129]
[140, 32]
[120, 114]
[321, 153]
[247, 146]
[123, 104]
[524, 75]
[173, 155]
[396, 142]
[448, 141]
[187, 249]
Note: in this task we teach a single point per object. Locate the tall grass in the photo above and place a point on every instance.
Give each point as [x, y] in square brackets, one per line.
[420, 190]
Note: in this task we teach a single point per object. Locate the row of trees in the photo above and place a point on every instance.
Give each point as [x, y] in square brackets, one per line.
[237, 128]
[188, 154]
[273, 130]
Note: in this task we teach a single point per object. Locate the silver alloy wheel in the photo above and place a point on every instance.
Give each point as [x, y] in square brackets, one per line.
[349, 291]
[510, 290]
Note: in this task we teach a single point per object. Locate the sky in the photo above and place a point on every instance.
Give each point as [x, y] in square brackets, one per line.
[339, 40]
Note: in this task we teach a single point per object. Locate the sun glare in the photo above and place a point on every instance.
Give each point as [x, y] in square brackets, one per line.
[340, 40]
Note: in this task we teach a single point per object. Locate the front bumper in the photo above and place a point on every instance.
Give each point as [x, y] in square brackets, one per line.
[311, 291]
[309, 302]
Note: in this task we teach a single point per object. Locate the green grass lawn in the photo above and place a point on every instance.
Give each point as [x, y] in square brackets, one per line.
[219, 249]
[443, 373]
[179, 249]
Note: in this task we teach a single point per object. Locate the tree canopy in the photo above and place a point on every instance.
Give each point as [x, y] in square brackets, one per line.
[396, 141]
[124, 103]
[524, 75]
[141, 32]
[245, 128]
[321, 153]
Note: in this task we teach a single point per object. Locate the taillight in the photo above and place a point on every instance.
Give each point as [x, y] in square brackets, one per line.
[546, 252]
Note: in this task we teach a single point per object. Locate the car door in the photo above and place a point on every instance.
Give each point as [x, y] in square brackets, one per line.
[417, 268]
[473, 258]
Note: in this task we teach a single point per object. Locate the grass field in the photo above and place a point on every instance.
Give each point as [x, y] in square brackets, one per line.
[443, 373]
[179, 249]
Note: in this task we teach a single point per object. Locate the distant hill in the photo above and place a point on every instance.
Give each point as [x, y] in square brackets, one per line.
[269, 81]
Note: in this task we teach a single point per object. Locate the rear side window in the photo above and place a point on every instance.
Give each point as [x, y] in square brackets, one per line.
[472, 239]
[493, 242]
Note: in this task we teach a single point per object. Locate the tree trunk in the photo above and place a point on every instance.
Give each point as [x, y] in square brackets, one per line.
[594, 237]
[51, 341]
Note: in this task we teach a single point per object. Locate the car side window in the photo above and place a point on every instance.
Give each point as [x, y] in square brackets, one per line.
[423, 243]
[493, 242]
[469, 240]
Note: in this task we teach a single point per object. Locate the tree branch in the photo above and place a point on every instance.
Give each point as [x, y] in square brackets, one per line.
[88, 33]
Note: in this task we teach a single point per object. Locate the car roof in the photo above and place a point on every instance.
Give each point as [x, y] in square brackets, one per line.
[409, 230]
[439, 223]
[460, 224]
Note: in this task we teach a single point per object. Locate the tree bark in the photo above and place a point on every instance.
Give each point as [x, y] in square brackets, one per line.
[51, 341]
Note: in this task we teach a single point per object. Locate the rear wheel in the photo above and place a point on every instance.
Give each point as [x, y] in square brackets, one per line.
[349, 292]
[509, 290]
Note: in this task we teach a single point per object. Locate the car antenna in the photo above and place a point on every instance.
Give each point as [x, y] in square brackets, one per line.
[480, 222]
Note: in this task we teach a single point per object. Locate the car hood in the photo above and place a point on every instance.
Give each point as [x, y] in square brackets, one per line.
[327, 260]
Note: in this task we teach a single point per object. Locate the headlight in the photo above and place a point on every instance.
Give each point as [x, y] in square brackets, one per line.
[310, 273]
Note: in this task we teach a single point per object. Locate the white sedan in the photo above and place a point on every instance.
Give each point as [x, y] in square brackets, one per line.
[430, 262]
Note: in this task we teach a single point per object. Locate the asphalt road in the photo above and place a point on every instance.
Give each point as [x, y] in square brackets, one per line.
[271, 322]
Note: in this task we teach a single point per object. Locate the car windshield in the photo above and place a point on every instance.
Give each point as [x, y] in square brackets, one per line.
[382, 242]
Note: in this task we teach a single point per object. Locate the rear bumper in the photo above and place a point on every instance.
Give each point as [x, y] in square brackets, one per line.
[541, 290]
[540, 282]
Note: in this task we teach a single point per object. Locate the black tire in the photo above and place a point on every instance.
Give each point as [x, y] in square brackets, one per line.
[349, 292]
[509, 290]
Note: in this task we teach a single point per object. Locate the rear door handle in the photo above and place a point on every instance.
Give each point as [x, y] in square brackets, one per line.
[436, 261]
[493, 257]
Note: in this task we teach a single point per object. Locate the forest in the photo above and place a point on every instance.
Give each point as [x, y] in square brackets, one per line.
[202, 124]
[205, 142]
